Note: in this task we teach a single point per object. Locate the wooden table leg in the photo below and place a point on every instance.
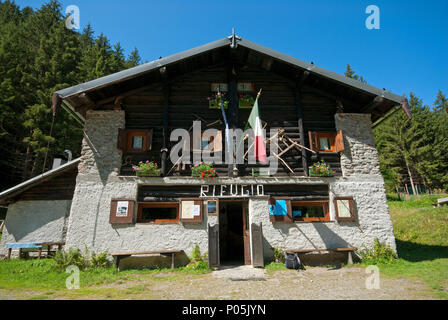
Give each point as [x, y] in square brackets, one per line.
[20, 253]
[9, 253]
[350, 259]
[39, 253]
[172, 261]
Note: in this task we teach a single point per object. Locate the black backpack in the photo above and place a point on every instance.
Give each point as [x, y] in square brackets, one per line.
[292, 261]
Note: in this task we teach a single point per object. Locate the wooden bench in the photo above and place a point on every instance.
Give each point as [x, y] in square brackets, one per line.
[119, 255]
[440, 202]
[348, 250]
[33, 245]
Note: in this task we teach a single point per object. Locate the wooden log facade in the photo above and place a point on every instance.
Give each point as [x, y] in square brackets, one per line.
[186, 101]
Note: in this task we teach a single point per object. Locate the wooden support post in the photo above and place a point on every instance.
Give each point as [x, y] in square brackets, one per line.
[165, 142]
[350, 258]
[20, 253]
[301, 129]
[233, 104]
[9, 253]
[172, 260]
[39, 253]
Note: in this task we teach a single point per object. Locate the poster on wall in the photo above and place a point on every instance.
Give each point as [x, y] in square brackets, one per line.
[196, 210]
[122, 209]
[187, 209]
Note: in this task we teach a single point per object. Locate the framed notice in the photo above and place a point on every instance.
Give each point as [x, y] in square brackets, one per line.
[212, 207]
[191, 210]
[122, 211]
[345, 209]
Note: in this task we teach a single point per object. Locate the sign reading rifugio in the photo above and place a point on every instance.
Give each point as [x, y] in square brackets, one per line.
[231, 191]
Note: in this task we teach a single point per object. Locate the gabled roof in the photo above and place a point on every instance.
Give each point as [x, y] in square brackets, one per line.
[338, 86]
[22, 187]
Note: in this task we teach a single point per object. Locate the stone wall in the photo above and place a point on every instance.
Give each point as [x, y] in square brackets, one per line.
[35, 221]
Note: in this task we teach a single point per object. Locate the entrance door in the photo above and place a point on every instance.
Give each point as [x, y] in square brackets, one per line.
[246, 234]
[234, 232]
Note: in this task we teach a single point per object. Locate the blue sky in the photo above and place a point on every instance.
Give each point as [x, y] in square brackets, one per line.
[408, 53]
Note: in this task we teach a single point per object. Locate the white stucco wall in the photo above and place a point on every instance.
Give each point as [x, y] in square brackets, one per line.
[33, 221]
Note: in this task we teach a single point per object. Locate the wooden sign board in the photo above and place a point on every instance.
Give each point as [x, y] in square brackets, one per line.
[345, 209]
[191, 210]
[212, 207]
[122, 211]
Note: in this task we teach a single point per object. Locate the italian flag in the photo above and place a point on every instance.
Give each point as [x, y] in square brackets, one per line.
[255, 123]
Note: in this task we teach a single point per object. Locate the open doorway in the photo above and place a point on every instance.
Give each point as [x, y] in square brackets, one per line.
[233, 232]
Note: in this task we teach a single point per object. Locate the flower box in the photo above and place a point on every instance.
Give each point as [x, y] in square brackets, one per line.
[146, 169]
[246, 102]
[203, 171]
[321, 169]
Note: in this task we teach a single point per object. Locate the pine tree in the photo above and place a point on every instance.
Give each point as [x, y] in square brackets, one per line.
[350, 73]
[441, 103]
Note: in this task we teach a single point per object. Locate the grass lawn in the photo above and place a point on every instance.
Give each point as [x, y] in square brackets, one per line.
[421, 234]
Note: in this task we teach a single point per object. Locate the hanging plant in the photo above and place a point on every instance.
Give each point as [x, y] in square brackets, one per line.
[147, 169]
[214, 102]
[246, 101]
[321, 169]
[203, 170]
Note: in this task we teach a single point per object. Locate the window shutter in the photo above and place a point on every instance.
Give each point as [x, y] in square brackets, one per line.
[339, 141]
[314, 145]
[122, 139]
[149, 134]
[282, 218]
[217, 142]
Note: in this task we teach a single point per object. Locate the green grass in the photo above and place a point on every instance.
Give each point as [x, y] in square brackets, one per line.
[275, 266]
[45, 274]
[421, 234]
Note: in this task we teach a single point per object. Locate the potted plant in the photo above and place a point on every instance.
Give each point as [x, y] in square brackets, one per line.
[214, 102]
[321, 169]
[246, 101]
[203, 170]
[146, 169]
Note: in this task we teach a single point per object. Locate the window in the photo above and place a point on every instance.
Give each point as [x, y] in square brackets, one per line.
[219, 86]
[345, 209]
[134, 140]
[158, 212]
[207, 142]
[310, 211]
[245, 86]
[326, 141]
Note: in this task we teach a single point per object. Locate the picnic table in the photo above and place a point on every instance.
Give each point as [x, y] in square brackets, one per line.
[33, 245]
[440, 202]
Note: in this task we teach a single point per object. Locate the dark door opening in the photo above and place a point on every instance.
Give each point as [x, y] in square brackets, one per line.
[232, 235]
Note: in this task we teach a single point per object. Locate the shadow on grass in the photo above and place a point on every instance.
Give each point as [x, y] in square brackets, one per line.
[415, 252]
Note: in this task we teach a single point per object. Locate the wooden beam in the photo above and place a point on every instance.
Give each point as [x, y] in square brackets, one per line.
[299, 110]
[233, 103]
[303, 78]
[165, 142]
[372, 104]
[329, 95]
[86, 100]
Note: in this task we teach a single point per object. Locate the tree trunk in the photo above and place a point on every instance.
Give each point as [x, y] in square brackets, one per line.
[411, 179]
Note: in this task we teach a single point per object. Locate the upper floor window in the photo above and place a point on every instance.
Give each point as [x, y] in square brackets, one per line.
[326, 141]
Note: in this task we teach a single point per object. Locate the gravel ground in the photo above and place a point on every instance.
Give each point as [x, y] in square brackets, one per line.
[246, 283]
